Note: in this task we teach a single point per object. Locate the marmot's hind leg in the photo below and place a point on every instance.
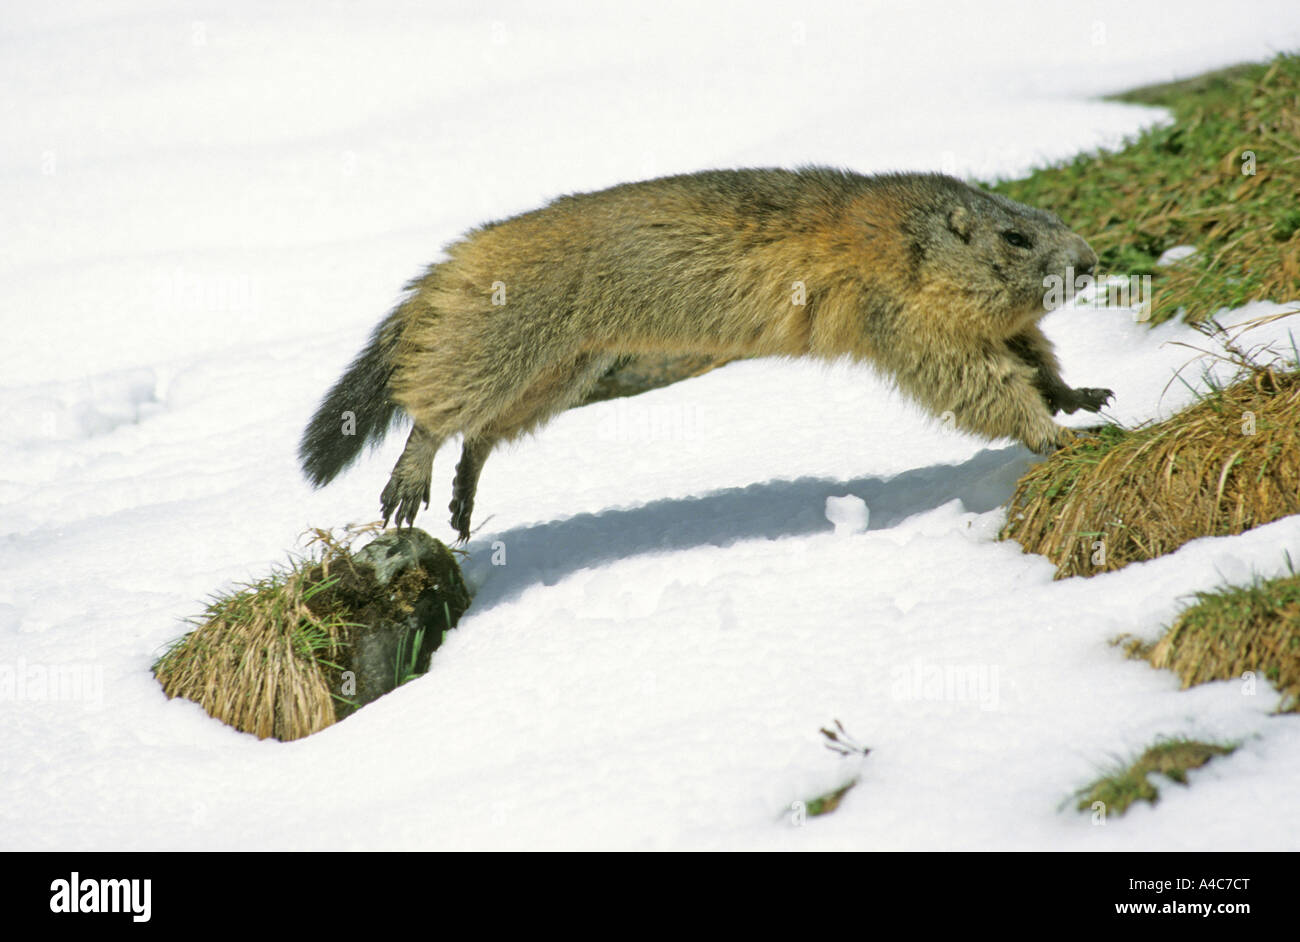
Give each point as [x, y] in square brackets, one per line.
[1032, 348]
[472, 456]
[551, 391]
[409, 483]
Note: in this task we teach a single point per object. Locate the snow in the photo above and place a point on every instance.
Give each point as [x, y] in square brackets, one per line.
[1176, 254]
[848, 514]
[209, 206]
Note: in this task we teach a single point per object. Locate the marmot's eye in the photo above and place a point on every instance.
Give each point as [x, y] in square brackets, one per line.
[1018, 239]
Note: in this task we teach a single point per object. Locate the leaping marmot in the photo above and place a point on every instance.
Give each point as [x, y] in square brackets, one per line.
[938, 284]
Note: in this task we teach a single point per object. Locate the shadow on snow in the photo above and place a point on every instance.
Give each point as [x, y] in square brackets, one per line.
[547, 552]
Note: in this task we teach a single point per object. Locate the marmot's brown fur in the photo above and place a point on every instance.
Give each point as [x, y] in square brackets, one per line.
[936, 283]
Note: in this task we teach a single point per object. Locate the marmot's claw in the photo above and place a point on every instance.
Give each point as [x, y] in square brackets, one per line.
[460, 515]
[388, 502]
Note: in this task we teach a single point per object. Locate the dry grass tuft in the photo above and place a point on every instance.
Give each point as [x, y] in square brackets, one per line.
[254, 659]
[1228, 463]
[1232, 632]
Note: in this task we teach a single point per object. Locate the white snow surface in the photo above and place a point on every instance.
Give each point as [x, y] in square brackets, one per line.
[208, 207]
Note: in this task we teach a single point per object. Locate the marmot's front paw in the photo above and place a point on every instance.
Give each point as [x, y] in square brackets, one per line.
[1092, 399]
[1067, 400]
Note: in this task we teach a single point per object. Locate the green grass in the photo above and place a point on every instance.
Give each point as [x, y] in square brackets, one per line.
[1184, 185]
[1128, 783]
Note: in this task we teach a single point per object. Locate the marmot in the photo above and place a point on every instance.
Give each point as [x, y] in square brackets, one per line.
[938, 284]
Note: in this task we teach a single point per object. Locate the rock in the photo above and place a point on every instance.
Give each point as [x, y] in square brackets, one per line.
[399, 593]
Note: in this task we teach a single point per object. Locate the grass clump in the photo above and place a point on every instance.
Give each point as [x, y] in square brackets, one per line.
[1172, 758]
[1235, 631]
[842, 744]
[1222, 178]
[1226, 464]
[255, 656]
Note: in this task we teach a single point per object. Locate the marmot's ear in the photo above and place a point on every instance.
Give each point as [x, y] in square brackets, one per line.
[959, 222]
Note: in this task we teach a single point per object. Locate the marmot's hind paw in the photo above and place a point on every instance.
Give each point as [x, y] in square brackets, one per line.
[404, 498]
[1064, 437]
[461, 508]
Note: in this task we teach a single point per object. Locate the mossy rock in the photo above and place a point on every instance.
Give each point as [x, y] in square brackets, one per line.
[400, 594]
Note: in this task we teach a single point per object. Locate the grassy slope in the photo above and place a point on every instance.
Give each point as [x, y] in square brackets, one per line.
[1184, 185]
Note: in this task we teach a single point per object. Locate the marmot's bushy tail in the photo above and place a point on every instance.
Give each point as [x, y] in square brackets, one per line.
[356, 411]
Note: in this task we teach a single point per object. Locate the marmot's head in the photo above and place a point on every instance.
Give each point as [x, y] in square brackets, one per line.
[1005, 259]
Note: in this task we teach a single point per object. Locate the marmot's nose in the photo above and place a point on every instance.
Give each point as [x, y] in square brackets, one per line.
[1084, 261]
